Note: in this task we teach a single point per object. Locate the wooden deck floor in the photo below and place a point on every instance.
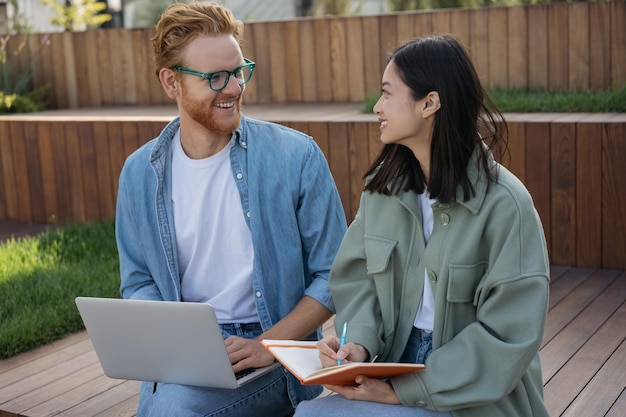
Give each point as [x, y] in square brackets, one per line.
[584, 360]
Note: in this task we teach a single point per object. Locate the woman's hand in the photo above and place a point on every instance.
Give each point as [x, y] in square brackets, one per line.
[367, 389]
[330, 352]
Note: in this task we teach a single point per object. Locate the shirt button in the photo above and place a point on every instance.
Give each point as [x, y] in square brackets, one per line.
[444, 218]
[421, 404]
[239, 175]
[432, 276]
[248, 214]
[258, 294]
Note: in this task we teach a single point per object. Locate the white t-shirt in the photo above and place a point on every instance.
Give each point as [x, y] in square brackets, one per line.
[214, 242]
[426, 312]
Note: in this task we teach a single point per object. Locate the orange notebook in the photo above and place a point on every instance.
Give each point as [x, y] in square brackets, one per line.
[301, 358]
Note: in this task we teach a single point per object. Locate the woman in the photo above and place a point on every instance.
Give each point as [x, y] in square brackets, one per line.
[445, 263]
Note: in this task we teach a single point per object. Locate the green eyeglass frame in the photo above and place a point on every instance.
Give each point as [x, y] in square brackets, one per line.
[218, 80]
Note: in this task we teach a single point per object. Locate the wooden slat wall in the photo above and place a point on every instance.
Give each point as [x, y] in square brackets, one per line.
[576, 45]
[67, 171]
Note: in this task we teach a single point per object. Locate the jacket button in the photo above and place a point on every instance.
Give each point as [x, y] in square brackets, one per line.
[421, 404]
[444, 218]
[258, 294]
[432, 276]
[239, 175]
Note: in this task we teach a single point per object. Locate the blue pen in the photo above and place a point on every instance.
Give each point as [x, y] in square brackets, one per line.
[343, 338]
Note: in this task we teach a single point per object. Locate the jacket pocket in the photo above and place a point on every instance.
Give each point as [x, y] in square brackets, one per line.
[463, 281]
[379, 259]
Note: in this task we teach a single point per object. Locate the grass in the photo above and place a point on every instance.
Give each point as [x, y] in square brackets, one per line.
[536, 101]
[40, 277]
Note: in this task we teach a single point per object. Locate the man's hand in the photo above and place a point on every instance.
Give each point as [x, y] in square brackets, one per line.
[247, 353]
[367, 389]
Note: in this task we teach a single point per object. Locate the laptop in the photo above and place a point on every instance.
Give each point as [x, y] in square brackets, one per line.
[161, 341]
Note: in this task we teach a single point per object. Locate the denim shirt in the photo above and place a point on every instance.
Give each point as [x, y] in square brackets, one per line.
[289, 200]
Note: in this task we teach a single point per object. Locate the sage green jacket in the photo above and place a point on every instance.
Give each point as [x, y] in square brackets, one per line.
[488, 267]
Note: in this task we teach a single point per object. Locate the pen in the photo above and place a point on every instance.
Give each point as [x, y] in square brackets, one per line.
[342, 342]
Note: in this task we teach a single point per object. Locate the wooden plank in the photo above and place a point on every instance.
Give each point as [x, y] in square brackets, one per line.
[70, 77]
[498, 47]
[75, 172]
[22, 185]
[157, 94]
[307, 61]
[588, 194]
[558, 72]
[117, 155]
[81, 49]
[358, 149]
[478, 41]
[319, 132]
[142, 64]
[618, 40]
[101, 403]
[106, 82]
[600, 45]
[374, 60]
[263, 71]
[62, 173]
[563, 193]
[604, 352]
[613, 201]
[556, 353]
[35, 180]
[441, 21]
[566, 310]
[37, 388]
[90, 56]
[423, 23]
[126, 408]
[323, 74]
[88, 167]
[517, 34]
[356, 59]
[618, 407]
[538, 172]
[538, 47]
[58, 68]
[405, 27]
[578, 46]
[34, 362]
[48, 175]
[293, 72]
[562, 286]
[339, 66]
[277, 70]
[79, 393]
[8, 197]
[459, 24]
[340, 161]
[388, 35]
[102, 165]
[517, 150]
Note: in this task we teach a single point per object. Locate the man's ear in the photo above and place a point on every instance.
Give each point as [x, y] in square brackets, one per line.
[431, 105]
[169, 82]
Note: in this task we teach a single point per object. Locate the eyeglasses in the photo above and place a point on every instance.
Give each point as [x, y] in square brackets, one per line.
[218, 80]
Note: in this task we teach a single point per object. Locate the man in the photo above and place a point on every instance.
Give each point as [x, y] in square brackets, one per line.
[223, 209]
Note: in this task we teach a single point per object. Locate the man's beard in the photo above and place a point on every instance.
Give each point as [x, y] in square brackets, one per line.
[204, 114]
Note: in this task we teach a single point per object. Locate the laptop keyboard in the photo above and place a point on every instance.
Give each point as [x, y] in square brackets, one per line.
[241, 374]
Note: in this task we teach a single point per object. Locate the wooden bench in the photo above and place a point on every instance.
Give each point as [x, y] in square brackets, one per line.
[583, 359]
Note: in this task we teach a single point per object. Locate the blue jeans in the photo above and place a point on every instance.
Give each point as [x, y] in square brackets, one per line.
[417, 350]
[265, 396]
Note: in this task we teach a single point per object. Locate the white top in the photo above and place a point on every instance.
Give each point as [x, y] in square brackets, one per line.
[214, 243]
[426, 312]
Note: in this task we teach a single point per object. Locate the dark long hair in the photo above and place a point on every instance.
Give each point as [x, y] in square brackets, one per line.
[466, 119]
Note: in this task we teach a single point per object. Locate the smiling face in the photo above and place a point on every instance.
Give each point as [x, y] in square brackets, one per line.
[403, 119]
[218, 112]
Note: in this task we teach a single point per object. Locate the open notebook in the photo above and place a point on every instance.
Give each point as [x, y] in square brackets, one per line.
[161, 341]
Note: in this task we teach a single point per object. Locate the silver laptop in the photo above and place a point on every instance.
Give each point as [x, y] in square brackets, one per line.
[161, 341]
